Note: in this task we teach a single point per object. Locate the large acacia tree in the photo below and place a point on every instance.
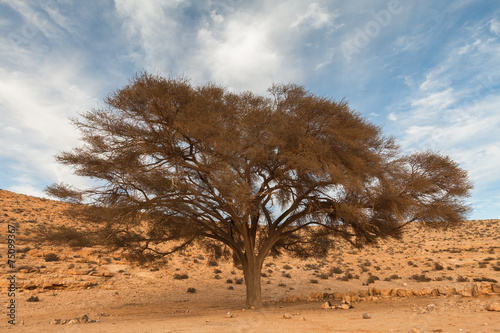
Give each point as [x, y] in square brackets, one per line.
[253, 174]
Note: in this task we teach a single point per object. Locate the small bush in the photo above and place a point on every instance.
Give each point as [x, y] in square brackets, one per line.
[420, 278]
[230, 288]
[281, 285]
[438, 267]
[181, 276]
[229, 281]
[49, 257]
[323, 276]
[212, 263]
[287, 275]
[346, 277]
[496, 268]
[238, 281]
[33, 299]
[191, 290]
[23, 250]
[484, 279]
[287, 267]
[371, 279]
[217, 271]
[217, 277]
[336, 270]
[314, 281]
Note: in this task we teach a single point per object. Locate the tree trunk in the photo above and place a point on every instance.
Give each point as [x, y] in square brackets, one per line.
[251, 271]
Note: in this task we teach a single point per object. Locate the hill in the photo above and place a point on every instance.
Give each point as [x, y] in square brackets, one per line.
[459, 265]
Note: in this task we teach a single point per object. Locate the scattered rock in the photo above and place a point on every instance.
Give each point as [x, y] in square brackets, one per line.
[414, 330]
[326, 305]
[366, 315]
[287, 316]
[493, 306]
[56, 322]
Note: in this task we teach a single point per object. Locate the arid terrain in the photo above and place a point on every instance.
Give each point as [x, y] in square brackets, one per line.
[430, 281]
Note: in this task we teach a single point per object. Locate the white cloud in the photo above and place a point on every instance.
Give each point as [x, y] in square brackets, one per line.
[316, 16]
[435, 100]
[392, 116]
[495, 26]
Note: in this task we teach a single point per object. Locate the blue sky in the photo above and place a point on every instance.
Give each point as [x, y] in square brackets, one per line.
[427, 71]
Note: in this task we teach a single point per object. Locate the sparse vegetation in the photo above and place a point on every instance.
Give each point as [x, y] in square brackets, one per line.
[420, 278]
[33, 299]
[50, 257]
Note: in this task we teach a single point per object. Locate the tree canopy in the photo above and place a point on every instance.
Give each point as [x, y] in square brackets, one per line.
[254, 174]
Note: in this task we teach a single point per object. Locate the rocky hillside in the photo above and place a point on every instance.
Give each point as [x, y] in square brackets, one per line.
[423, 259]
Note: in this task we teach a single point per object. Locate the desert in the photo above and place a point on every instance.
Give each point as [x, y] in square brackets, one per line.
[429, 281]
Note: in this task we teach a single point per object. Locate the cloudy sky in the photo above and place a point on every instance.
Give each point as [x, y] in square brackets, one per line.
[427, 71]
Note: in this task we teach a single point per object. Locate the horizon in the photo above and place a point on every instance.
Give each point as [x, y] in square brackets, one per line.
[428, 73]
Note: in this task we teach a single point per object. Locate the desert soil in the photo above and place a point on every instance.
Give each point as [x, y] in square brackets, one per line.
[430, 281]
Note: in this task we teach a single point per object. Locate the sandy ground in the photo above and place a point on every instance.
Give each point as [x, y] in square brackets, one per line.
[119, 296]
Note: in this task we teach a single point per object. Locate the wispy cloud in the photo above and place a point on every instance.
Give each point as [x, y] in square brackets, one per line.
[428, 72]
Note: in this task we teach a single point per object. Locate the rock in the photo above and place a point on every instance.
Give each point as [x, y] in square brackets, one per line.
[326, 305]
[402, 293]
[55, 322]
[84, 319]
[366, 315]
[303, 319]
[414, 330]
[346, 299]
[338, 295]
[345, 306]
[228, 316]
[385, 292]
[495, 288]
[495, 306]
[287, 316]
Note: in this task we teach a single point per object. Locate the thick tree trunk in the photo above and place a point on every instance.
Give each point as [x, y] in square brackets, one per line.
[251, 272]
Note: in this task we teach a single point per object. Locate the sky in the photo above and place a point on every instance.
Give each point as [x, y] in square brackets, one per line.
[427, 72]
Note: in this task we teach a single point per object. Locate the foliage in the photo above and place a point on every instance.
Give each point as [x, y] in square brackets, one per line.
[249, 175]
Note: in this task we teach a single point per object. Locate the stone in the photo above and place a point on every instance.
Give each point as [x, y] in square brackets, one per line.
[385, 292]
[495, 288]
[414, 330]
[326, 305]
[338, 295]
[495, 306]
[287, 316]
[345, 306]
[366, 315]
[84, 319]
[402, 293]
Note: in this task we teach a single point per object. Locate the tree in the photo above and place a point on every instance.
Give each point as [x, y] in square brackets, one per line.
[251, 174]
